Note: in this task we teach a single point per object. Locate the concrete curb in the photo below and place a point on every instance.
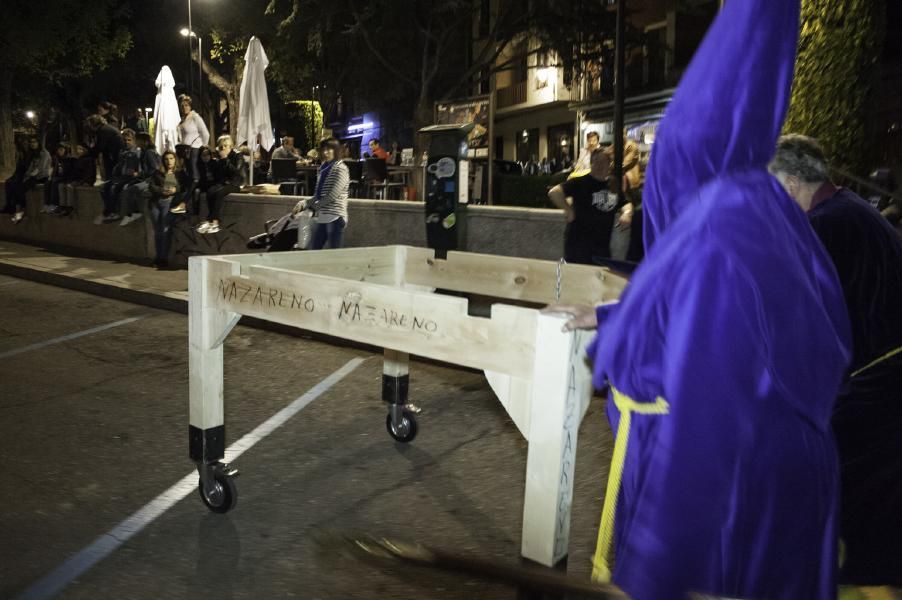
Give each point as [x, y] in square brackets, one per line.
[107, 290]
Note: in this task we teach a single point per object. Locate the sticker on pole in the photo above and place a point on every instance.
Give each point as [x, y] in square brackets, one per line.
[443, 168]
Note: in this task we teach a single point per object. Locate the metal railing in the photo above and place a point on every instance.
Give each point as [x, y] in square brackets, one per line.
[511, 95]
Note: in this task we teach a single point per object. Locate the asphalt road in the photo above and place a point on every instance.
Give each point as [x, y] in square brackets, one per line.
[94, 427]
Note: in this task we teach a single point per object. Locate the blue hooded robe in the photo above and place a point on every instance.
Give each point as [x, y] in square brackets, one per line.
[726, 352]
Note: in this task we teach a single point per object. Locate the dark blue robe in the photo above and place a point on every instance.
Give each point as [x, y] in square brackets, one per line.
[728, 348]
[867, 418]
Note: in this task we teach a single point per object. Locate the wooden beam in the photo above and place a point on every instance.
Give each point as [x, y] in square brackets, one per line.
[513, 278]
[208, 325]
[375, 265]
[409, 321]
[561, 388]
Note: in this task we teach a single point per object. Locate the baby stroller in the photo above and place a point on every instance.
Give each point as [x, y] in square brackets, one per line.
[290, 232]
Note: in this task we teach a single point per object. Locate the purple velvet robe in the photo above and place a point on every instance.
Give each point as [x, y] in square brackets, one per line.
[736, 319]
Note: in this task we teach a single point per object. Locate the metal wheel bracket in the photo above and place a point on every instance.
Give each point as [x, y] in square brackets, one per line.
[208, 471]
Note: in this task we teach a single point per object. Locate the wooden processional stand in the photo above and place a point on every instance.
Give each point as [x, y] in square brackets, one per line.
[385, 297]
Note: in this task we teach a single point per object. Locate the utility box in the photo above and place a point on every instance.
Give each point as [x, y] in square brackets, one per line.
[446, 186]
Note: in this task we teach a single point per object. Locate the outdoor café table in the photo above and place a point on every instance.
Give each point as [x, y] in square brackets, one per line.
[307, 173]
[400, 174]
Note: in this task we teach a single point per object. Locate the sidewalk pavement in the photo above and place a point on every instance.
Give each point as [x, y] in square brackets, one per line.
[115, 279]
[138, 284]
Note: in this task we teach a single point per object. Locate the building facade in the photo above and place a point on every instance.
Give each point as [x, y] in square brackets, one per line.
[540, 113]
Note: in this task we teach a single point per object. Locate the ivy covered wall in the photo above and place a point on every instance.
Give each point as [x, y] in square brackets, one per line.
[305, 122]
[833, 97]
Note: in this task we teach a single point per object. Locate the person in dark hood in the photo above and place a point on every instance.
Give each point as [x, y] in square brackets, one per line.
[867, 419]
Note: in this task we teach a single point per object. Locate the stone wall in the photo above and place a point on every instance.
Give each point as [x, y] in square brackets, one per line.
[510, 231]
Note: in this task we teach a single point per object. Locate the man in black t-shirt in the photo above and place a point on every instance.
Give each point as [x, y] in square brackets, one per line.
[591, 209]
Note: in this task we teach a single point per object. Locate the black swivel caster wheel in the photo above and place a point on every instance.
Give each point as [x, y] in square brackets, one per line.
[222, 495]
[406, 430]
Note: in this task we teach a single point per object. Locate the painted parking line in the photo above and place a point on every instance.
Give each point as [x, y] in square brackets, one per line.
[71, 336]
[55, 581]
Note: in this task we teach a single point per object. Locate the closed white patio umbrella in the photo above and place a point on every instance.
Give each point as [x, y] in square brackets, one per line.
[166, 113]
[253, 111]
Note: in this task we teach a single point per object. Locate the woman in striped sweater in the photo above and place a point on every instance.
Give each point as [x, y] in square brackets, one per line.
[330, 199]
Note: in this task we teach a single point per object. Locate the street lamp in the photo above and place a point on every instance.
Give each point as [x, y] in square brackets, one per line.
[188, 33]
[29, 114]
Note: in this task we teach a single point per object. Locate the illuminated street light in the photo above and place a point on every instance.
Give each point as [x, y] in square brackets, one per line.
[29, 114]
[189, 33]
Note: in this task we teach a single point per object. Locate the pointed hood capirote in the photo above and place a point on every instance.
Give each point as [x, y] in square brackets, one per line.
[165, 112]
[729, 108]
[727, 350]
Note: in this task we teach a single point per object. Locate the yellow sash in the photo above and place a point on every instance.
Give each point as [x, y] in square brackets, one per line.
[877, 361]
[603, 562]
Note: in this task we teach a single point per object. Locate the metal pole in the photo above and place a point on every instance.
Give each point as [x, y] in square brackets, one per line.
[619, 65]
[490, 191]
[190, 31]
[200, 76]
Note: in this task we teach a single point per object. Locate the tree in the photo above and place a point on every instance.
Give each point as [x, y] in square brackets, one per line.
[230, 27]
[403, 55]
[835, 79]
[69, 39]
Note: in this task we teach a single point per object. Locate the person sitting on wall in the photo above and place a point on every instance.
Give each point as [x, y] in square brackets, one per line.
[377, 151]
[133, 196]
[37, 170]
[82, 171]
[58, 172]
[126, 172]
[231, 174]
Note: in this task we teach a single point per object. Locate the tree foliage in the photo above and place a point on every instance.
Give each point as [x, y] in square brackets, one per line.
[399, 56]
[835, 78]
[55, 41]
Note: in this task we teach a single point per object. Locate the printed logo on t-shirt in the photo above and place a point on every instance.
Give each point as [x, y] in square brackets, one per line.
[604, 201]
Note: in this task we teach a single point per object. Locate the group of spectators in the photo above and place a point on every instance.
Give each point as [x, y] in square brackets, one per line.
[547, 166]
[135, 176]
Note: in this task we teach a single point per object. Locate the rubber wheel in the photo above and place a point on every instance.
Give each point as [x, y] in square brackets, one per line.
[224, 495]
[407, 430]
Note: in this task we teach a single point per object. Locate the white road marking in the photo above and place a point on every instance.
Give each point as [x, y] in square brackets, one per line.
[78, 564]
[71, 336]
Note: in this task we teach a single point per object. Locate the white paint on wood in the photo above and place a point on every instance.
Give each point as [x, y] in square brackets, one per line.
[558, 395]
[395, 364]
[208, 325]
